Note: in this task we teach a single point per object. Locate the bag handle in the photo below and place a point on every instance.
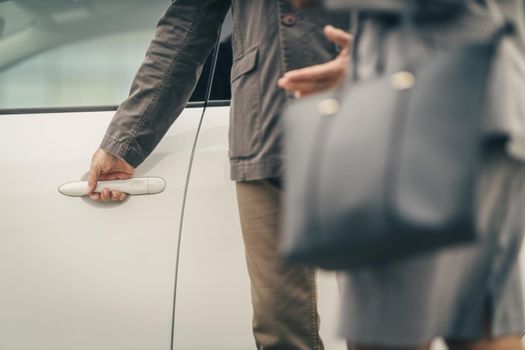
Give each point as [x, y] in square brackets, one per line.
[409, 27]
[357, 25]
[495, 11]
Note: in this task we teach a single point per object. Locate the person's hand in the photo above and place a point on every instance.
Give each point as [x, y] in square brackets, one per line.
[313, 79]
[106, 166]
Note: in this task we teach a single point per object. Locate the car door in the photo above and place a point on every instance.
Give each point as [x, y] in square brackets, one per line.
[75, 274]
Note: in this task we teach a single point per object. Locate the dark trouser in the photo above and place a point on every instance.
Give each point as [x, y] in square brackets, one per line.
[283, 297]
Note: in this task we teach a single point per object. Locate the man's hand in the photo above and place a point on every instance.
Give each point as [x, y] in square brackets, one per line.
[313, 79]
[106, 166]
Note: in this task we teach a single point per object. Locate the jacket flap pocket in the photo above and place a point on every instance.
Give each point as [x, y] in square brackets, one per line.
[244, 64]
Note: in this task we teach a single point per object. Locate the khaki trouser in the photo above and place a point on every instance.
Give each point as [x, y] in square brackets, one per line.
[283, 297]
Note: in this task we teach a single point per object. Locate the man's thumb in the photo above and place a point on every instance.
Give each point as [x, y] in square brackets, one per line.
[93, 176]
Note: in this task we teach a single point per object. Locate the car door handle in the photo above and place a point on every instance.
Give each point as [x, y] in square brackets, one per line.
[134, 186]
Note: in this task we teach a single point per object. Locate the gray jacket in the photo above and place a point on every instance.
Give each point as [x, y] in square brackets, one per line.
[270, 37]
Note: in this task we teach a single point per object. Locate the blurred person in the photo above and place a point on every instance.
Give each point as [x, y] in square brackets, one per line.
[471, 295]
[267, 41]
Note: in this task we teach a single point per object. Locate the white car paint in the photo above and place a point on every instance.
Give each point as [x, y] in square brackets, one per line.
[82, 275]
[75, 274]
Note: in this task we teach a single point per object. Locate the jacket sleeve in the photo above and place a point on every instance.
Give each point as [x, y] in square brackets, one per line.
[184, 37]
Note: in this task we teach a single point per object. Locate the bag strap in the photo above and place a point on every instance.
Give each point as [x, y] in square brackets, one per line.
[495, 11]
[357, 26]
[504, 26]
[409, 27]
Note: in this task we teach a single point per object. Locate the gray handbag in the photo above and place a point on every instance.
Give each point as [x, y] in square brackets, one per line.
[386, 167]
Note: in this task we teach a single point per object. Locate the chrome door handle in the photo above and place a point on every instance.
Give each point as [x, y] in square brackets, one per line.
[134, 186]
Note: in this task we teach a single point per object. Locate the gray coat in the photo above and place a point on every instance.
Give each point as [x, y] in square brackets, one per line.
[456, 292]
[270, 37]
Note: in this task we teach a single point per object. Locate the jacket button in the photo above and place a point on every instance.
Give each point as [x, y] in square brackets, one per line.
[289, 19]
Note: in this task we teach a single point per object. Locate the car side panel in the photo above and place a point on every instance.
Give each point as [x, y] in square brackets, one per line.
[75, 274]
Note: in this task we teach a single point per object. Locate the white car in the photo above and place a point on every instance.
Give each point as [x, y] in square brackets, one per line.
[80, 275]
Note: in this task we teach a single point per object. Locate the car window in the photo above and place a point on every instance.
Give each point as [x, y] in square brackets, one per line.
[220, 90]
[65, 53]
